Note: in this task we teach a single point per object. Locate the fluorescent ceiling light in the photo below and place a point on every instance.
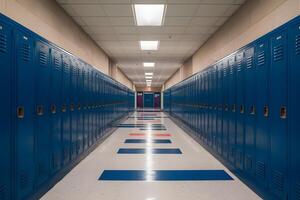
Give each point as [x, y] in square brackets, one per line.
[149, 64]
[149, 45]
[149, 73]
[148, 77]
[149, 14]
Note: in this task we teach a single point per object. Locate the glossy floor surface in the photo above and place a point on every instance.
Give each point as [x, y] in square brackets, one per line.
[193, 174]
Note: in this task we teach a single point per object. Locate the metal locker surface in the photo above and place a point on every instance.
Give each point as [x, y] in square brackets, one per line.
[55, 97]
[80, 119]
[42, 108]
[278, 113]
[66, 123]
[6, 137]
[240, 109]
[25, 109]
[73, 103]
[220, 106]
[262, 60]
[294, 97]
[232, 108]
[225, 139]
[250, 110]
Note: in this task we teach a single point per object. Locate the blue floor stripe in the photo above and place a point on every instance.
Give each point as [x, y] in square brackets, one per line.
[152, 151]
[156, 141]
[165, 175]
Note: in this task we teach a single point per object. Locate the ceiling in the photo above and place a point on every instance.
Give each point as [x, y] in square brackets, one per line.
[187, 25]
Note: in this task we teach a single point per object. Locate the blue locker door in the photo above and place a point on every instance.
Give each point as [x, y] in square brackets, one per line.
[89, 100]
[73, 111]
[262, 57]
[56, 92]
[225, 138]
[294, 98]
[25, 115]
[80, 119]
[85, 112]
[215, 107]
[240, 109]
[209, 103]
[220, 107]
[250, 110]
[66, 127]
[278, 112]
[5, 114]
[148, 100]
[42, 125]
[232, 109]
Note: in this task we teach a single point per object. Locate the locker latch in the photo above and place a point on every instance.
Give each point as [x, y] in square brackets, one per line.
[39, 110]
[233, 108]
[72, 107]
[64, 108]
[242, 109]
[252, 110]
[20, 112]
[266, 111]
[53, 109]
[283, 112]
[79, 107]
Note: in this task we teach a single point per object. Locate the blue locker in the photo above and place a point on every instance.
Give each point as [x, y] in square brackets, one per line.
[42, 115]
[25, 115]
[240, 110]
[250, 110]
[294, 97]
[215, 107]
[232, 108]
[73, 110]
[66, 119]
[262, 58]
[5, 114]
[278, 113]
[56, 93]
[80, 119]
[225, 139]
[85, 111]
[220, 106]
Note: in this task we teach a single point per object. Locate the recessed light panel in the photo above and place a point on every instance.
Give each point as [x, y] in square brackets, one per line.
[149, 14]
[149, 74]
[149, 64]
[148, 77]
[149, 45]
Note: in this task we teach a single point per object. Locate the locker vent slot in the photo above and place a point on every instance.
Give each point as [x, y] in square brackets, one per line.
[260, 170]
[297, 45]
[278, 53]
[24, 180]
[43, 58]
[261, 58]
[56, 63]
[25, 52]
[3, 192]
[277, 180]
[3, 43]
[248, 162]
[249, 62]
[239, 65]
[297, 191]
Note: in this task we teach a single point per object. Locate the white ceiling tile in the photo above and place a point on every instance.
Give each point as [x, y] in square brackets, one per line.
[181, 10]
[212, 10]
[239, 1]
[149, 30]
[88, 10]
[96, 21]
[100, 29]
[201, 29]
[221, 21]
[173, 29]
[82, 1]
[177, 21]
[232, 9]
[79, 21]
[218, 1]
[148, 2]
[184, 2]
[125, 29]
[127, 37]
[204, 21]
[118, 10]
[69, 10]
[104, 37]
[114, 1]
[121, 21]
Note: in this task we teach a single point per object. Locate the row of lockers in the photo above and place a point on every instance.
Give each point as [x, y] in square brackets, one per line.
[54, 107]
[244, 108]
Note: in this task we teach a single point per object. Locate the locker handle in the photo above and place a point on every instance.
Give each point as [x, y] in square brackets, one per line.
[226, 107]
[242, 109]
[252, 110]
[64, 108]
[283, 112]
[39, 110]
[79, 107]
[20, 112]
[233, 108]
[72, 107]
[266, 111]
[53, 109]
